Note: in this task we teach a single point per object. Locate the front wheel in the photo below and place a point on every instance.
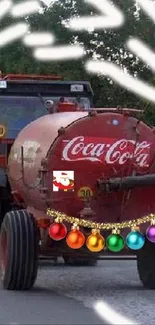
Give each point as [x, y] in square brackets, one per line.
[146, 265]
[18, 250]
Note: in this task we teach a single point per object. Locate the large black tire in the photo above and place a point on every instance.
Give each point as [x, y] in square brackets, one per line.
[18, 250]
[79, 262]
[146, 265]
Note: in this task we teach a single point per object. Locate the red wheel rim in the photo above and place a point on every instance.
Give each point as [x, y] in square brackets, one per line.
[3, 251]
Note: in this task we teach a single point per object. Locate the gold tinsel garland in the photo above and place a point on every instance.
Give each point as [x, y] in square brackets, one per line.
[59, 216]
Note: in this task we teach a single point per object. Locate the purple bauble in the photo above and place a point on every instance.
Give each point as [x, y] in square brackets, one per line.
[150, 233]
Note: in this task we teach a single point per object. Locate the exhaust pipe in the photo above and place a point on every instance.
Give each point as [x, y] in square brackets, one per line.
[125, 183]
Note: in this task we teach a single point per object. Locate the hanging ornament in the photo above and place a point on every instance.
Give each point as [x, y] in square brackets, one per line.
[135, 239]
[115, 242]
[75, 238]
[150, 232]
[57, 230]
[95, 242]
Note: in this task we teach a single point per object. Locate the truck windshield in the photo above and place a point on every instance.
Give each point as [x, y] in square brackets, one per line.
[16, 112]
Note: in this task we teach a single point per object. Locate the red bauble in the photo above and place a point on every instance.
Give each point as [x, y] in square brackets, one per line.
[75, 239]
[57, 231]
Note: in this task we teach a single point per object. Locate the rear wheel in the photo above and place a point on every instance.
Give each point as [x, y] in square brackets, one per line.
[18, 250]
[146, 265]
[79, 262]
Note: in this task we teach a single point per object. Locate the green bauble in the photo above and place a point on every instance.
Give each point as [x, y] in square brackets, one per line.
[115, 242]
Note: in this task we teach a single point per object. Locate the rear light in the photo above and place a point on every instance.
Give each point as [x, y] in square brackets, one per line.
[43, 223]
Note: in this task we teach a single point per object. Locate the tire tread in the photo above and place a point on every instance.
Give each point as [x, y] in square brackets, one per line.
[22, 263]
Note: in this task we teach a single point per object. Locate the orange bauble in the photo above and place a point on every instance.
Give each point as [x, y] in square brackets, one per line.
[95, 242]
[75, 239]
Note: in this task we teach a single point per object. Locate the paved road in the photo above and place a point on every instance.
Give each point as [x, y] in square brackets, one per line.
[66, 295]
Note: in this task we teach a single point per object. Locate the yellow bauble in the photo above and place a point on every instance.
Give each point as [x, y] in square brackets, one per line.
[95, 242]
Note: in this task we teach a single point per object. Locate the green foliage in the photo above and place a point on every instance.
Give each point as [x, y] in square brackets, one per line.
[107, 44]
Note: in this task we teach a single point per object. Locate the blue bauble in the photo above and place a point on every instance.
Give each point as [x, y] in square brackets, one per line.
[135, 240]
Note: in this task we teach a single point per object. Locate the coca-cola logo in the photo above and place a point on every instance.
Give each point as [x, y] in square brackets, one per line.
[108, 151]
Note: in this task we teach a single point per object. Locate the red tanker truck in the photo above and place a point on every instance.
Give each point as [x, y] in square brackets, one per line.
[84, 186]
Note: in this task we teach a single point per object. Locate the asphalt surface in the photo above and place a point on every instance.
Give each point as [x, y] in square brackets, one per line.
[67, 295]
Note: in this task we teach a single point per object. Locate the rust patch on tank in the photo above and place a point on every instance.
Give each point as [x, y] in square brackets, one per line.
[30, 150]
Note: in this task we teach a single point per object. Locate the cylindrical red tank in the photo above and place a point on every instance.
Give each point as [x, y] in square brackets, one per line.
[93, 147]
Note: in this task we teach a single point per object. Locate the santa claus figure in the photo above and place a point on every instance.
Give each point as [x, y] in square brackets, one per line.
[63, 182]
